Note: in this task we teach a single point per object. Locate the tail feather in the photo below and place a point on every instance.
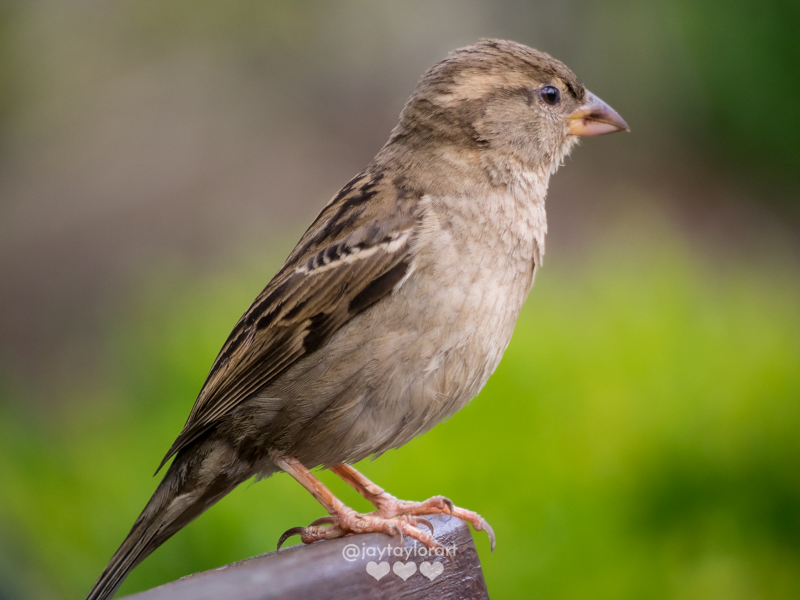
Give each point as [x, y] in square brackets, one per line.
[195, 480]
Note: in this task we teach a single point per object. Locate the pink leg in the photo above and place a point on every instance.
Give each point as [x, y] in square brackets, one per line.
[345, 520]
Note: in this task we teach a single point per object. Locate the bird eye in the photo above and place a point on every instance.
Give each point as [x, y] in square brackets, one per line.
[550, 95]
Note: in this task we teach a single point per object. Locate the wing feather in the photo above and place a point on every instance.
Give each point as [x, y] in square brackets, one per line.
[354, 254]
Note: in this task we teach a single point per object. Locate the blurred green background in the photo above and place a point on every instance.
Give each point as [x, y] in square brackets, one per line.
[641, 438]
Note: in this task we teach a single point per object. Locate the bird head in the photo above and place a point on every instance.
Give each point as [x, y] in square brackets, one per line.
[512, 108]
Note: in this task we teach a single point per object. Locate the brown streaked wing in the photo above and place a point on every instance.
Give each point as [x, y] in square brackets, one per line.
[355, 253]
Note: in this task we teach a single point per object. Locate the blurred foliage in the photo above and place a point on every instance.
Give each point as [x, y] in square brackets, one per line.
[6, 60]
[721, 76]
[748, 59]
[639, 439]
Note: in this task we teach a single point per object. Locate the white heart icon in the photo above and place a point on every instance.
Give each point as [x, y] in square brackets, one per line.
[431, 571]
[377, 570]
[404, 571]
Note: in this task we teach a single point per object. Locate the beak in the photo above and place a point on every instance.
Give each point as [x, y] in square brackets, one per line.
[595, 117]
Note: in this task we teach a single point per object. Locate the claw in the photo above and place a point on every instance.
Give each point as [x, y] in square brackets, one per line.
[425, 522]
[452, 558]
[399, 530]
[450, 506]
[289, 533]
[323, 521]
[480, 524]
[490, 532]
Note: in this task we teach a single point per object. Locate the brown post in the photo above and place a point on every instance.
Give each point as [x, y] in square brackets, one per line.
[353, 568]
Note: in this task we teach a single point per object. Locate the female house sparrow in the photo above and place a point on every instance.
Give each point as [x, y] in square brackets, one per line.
[395, 306]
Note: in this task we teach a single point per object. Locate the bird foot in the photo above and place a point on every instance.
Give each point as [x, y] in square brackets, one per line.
[392, 516]
[348, 521]
[389, 506]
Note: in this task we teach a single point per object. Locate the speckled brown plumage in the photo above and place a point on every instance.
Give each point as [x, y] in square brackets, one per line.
[396, 305]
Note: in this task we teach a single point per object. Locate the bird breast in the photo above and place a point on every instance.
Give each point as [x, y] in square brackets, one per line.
[421, 353]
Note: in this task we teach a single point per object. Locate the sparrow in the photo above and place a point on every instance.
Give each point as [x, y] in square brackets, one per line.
[394, 308]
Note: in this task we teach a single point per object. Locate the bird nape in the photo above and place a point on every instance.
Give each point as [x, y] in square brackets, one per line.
[392, 310]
